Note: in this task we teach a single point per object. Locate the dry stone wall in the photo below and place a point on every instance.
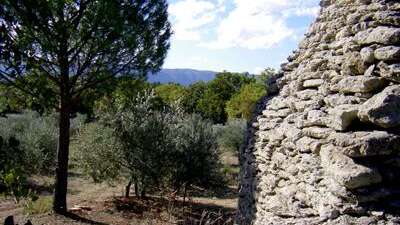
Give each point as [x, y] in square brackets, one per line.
[325, 149]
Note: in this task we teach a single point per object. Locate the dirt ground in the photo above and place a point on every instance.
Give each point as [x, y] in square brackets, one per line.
[103, 204]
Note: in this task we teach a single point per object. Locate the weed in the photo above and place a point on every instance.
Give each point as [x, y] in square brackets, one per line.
[41, 205]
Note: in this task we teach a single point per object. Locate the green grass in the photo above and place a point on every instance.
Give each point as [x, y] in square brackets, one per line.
[41, 206]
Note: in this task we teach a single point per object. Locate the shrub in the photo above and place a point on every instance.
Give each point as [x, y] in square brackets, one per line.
[37, 136]
[95, 150]
[41, 205]
[232, 135]
[196, 157]
[130, 141]
[150, 148]
[12, 176]
[143, 134]
[14, 181]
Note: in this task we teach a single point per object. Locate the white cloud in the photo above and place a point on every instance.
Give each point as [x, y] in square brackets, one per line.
[255, 24]
[189, 16]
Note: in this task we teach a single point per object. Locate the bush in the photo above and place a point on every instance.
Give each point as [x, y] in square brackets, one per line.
[12, 175]
[195, 157]
[232, 135]
[41, 205]
[150, 148]
[14, 181]
[144, 137]
[38, 137]
[95, 150]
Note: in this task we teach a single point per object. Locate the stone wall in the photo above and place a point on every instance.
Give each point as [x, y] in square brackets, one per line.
[325, 149]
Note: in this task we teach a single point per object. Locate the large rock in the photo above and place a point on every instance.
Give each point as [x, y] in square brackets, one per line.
[379, 35]
[383, 109]
[317, 132]
[342, 116]
[354, 64]
[313, 83]
[388, 53]
[359, 84]
[390, 71]
[367, 55]
[345, 171]
[364, 143]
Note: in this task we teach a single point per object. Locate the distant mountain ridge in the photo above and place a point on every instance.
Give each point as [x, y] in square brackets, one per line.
[181, 76]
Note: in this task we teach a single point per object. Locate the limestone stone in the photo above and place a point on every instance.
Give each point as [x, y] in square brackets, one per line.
[300, 106]
[318, 132]
[308, 145]
[341, 99]
[345, 171]
[274, 114]
[380, 35]
[366, 143]
[315, 118]
[268, 124]
[277, 104]
[370, 71]
[383, 109]
[354, 64]
[313, 83]
[342, 116]
[361, 84]
[390, 71]
[387, 53]
[307, 94]
[367, 55]
[388, 17]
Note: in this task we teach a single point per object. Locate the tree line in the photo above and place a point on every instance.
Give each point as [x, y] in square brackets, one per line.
[228, 96]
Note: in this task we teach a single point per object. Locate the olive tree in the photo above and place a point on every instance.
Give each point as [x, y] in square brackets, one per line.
[195, 158]
[143, 133]
[76, 45]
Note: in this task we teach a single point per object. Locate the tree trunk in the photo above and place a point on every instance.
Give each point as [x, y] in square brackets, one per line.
[184, 199]
[128, 189]
[143, 193]
[136, 188]
[60, 193]
[184, 195]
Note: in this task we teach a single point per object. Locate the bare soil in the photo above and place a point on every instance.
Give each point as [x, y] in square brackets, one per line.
[103, 204]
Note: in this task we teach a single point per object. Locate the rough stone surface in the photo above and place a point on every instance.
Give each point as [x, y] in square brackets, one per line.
[345, 171]
[388, 53]
[390, 71]
[324, 148]
[383, 109]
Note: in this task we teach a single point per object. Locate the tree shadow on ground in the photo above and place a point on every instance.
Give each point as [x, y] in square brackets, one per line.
[199, 213]
[224, 193]
[81, 219]
[189, 213]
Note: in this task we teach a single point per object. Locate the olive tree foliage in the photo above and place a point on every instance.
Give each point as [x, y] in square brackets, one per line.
[153, 148]
[231, 135]
[76, 45]
[95, 150]
[144, 134]
[37, 136]
[131, 140]
[196, 155]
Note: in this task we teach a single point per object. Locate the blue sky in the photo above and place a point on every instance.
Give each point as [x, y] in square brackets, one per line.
[236, 35]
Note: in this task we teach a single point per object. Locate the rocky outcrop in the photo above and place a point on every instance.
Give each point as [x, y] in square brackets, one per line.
[325, 148]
